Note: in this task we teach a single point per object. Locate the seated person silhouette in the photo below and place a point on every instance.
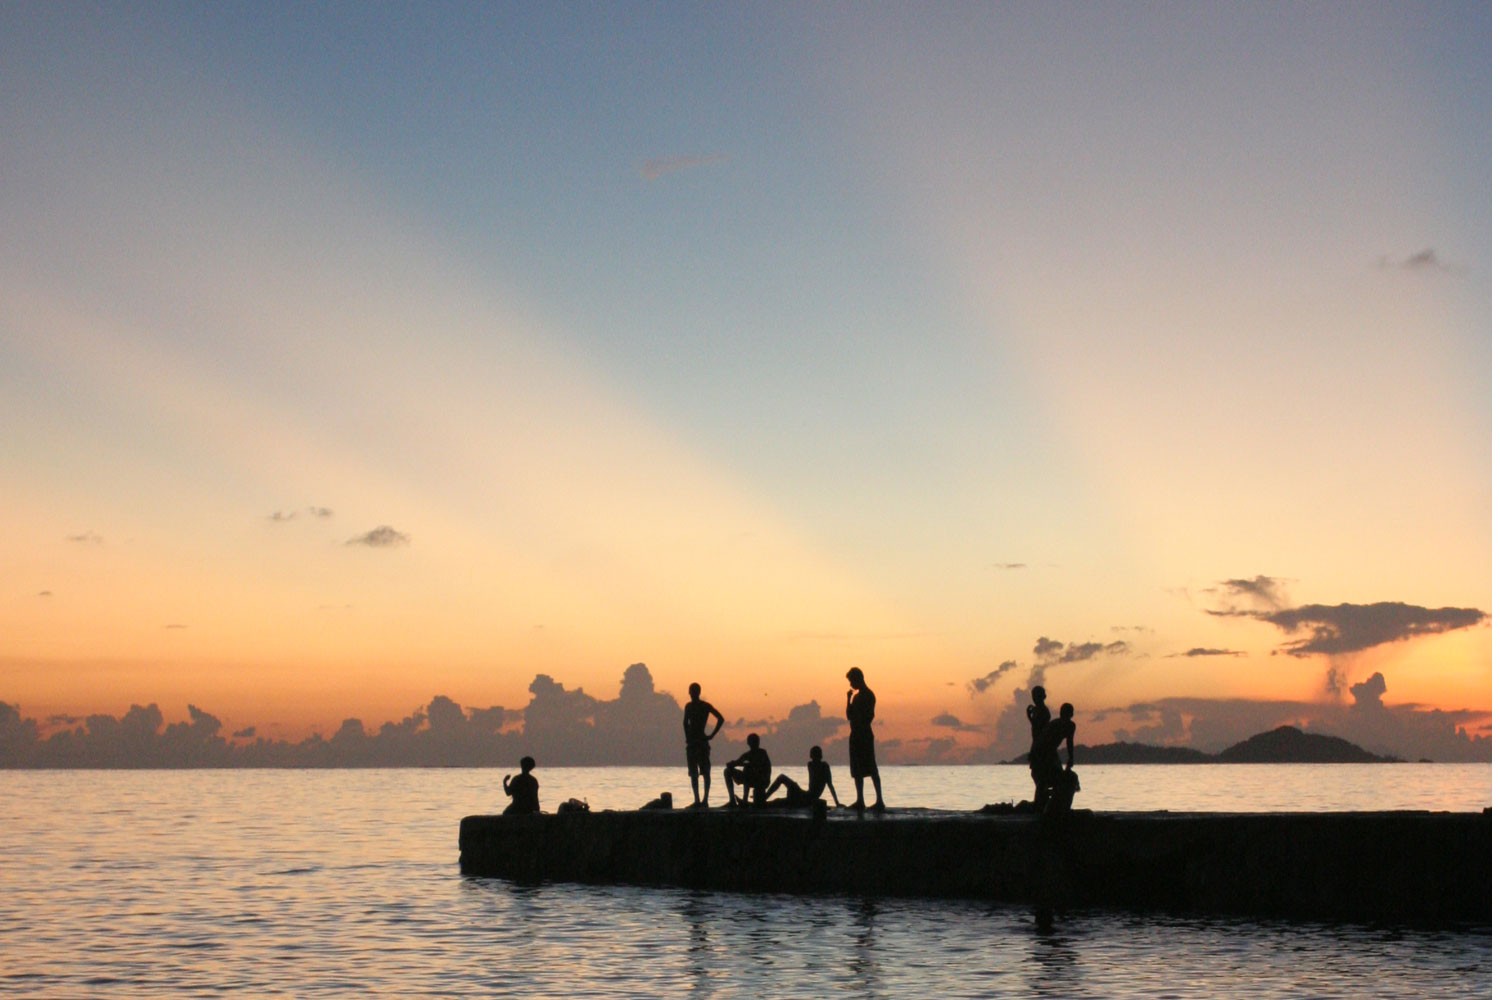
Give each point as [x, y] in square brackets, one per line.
[819, 778]
[751, 770]
[662, 801]
[522, 790]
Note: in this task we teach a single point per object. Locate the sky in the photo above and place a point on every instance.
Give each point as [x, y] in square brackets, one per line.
[355, 354]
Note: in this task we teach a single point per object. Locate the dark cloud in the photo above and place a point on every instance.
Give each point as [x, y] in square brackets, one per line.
[947, 720]
[1010, 565]
[1201, 651]
[653, 169]
[980, 685]
[1325, 629]
[320, 512]
[1367, 693]
[87, 538]
[44, 593]
[279, 516]
[383, 537]
[1050, 652]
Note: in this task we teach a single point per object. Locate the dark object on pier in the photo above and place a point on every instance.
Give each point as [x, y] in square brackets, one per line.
[1411, 868]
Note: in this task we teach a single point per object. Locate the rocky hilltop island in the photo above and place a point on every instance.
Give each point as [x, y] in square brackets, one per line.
[1283, 745]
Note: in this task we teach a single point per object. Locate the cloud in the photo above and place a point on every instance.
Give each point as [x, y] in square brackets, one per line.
[383, 537]
[44, 593]
[947, 720]
[1367, 693]
[323, 513]
[1010, 565]
[1011, 728]
[1422, 260]
[653, 169]
[1049, 652]
[1325, 629]
[1201, 651]
[1264, 593]
[174, 625]
[980, 685]
[87, 538]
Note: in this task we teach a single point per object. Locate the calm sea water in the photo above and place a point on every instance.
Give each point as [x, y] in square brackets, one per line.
[345, 883]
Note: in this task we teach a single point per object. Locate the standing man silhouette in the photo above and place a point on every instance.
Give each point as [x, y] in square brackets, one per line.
[1039, 715]
[695, 728]
[859, 709]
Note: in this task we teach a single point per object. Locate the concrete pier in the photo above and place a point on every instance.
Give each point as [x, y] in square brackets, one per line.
[1412, 868]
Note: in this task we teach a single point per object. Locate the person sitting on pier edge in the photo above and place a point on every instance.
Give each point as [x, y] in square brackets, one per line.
[859, 709]
[1061, 782]
[695, 728]
[522, 789]
[1038, 715]
[819, 777]
[752, 771]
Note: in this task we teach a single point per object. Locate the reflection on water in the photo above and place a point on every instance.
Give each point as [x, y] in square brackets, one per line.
[339, 884]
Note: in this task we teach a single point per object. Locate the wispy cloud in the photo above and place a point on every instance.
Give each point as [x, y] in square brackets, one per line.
[1260, 592]
[1422, 260]
[1201, 651]
[980, 685]
[1009, 565]
[383, 537]
[87, 538]
[322, 513]
[654, 169]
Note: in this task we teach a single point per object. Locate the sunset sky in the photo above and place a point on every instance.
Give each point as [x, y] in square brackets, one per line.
[352, 354]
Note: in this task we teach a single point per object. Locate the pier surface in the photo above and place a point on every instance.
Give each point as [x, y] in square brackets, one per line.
[1398, 867]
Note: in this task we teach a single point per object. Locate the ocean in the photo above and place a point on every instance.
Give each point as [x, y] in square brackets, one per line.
[345, 883]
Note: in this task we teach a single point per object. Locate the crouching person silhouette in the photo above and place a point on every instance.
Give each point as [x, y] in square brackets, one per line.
[751, 770]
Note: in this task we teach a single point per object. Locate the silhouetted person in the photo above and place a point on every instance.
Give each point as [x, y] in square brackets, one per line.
[751, 770]
[522, 790]
[859, 709]
[819, 779]
[695, 728]
[662, 801]
[1061, 782]
[1038, 715]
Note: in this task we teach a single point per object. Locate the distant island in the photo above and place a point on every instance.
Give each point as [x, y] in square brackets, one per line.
[1283, 745]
